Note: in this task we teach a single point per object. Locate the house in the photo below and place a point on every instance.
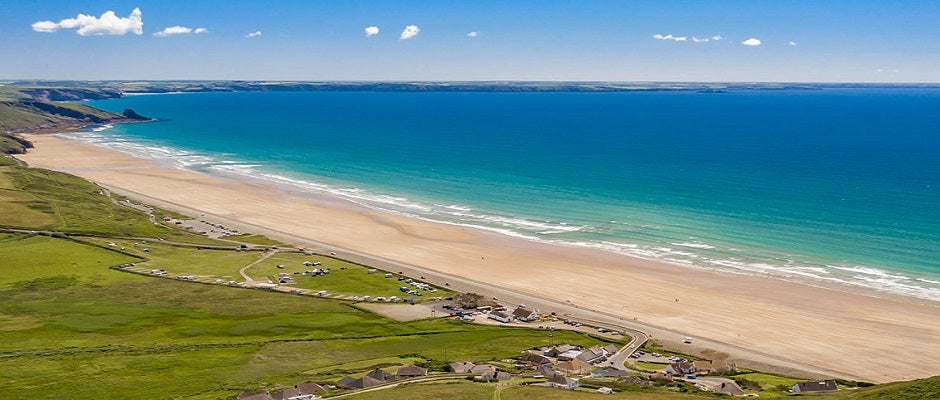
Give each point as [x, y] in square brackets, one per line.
[310, 388]
[605, 390]
[636, 380]
[557, 350]
[592, 355]
[540, 372]
[705, 367]
[346, 381]
[479, 369]
[411, 371]
[495, 376]
[380, 375]
[680, 368]
[729, 388]
[501, 317]
[562, 382]
[820, 386]
[365, 382]
[289, 394]
[534, 359]
[609, 350]
[573, 367]
[570, 354]
[608, 373]
[524, 314]
[461, 367]
[256, 396]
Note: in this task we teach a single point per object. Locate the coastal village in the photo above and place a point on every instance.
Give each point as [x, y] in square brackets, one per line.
[562, 366]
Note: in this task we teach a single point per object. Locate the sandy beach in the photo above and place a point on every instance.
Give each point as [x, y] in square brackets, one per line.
[763, 320]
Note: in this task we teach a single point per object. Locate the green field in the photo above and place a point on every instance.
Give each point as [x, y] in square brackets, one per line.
[344, 278]
[149, 337]
[41, 199]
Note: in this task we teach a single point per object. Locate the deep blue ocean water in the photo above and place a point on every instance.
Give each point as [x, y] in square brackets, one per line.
[835, 186]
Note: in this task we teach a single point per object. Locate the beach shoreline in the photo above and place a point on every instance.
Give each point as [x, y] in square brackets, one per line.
[757, 319]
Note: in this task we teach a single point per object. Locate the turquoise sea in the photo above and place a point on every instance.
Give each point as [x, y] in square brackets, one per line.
[836, 187]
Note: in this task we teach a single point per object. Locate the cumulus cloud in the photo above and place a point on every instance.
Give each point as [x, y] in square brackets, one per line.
[670, 37]
[717, 37]
[89, 25]
[751, 42]
[410, 32]
[372, 31]
[179, 30]
[253, 34]
[791, 43]
[473, 34]
[697, 40]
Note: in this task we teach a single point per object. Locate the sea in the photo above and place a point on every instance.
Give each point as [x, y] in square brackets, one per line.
[838, 187]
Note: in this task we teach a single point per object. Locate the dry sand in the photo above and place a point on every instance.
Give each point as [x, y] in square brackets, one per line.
[765, 320]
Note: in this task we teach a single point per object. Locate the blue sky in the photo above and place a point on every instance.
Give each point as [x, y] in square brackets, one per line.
[831, 41]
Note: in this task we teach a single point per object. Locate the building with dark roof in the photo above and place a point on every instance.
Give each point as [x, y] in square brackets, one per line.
[411, 371]
[814, 386]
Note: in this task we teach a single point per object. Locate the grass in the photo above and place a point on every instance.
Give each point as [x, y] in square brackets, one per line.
[928, 388]
[254, 239]
[181, 260]
[344, 278]
[650, 366]
[40, 199]
[117, 335]
[458, 390]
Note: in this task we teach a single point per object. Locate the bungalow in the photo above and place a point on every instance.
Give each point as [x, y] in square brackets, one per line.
[411, 371]
[524, 314]
[479, 369]
[256, 396]
[573, 367]
[461, 367]
[609, 350]
[310, 388]
[289, 394]
[540, 372]
[608, 373]
[562, 382]
[592, 355]
[680, 368]
[555, 351]
[730, 388]
[495, 376]
[501, 317]
[820, 386]
[365, 382]
[534, 359]
[381, 375]
[570, 354]
[346, 381]
[704, 367]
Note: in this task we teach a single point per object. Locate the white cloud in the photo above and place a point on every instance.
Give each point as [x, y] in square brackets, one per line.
[173, 30]
[697, 40]
[751, 42]
[89, 25]
[372, 31]
[670, 37]
[253, 34]
[791, 43]
[410, 32]
[473, 34]
[179, 30]
[717, 37]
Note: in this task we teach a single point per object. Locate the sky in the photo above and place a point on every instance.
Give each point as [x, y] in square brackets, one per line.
[583, 40]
